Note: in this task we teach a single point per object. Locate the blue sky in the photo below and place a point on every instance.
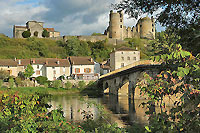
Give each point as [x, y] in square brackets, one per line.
[70, 17]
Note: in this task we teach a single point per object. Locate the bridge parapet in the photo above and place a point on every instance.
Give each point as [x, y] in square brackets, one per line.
[135, 64]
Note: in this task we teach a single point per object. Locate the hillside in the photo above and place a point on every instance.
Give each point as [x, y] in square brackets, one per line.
[11, 48]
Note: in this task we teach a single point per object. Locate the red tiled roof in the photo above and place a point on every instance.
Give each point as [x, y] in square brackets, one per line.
[77, 60]
[8, 62]
[50, 29]
[20, 27]
[53, 62]
[24, 62]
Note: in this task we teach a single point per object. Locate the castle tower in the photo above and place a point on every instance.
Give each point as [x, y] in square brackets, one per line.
[116, 25]
[146, 28]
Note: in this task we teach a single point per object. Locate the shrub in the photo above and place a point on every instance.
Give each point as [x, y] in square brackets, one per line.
[26, 34]
[3, 74]
[45, 34]
[81, 84]
[46, 85]
[18, 81]
[11, 83]
[41, 80]
[68, 85]
[1, 83]
[56, 84]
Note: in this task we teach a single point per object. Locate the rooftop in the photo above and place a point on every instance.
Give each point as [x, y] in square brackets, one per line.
[81, 60]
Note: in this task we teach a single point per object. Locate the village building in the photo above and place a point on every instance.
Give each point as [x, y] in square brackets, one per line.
[82, 68]
[52, 68]
[105, 67]
[36, 29]
[123, 57]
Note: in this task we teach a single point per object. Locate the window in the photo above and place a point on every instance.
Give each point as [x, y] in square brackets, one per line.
[122, 58]
[122, 53]
[77, 70]
[54, 72]
[63, 69]
[120, 26]
[37, 72]
[122, 64]
[128, 58]
[8, 66]
[120, 20]
[140, 25]
[133, 52]
[134, 58]
[38, 66]
[53, 67]
[152, 25]
[152, 30]
[87, 70]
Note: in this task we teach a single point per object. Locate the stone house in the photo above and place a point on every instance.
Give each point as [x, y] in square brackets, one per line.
[123, 57]
[36, 29]
[83, 68]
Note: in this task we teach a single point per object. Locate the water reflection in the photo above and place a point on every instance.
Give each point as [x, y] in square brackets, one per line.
[73, 106]
[126, 109]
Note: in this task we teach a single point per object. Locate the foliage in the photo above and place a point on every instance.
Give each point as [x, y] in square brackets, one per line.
[21, 75]
[28, 113]
[11, 83]
[3, 74]
[46, 85]
[26, 34]
[56, 84]
[18, 81]
[81, 84]
[180, 77]
[96, 34]
[68, 85]
[41, 80]
[1, 83]
[29, 71]
[45, 33]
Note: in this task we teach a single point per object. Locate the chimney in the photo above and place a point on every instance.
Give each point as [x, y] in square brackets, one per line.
[46, 62]
[15, 59]
[58, 62]
[19, 62]
[91, 60]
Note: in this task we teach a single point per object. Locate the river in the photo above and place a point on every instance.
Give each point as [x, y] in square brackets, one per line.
[121, 109]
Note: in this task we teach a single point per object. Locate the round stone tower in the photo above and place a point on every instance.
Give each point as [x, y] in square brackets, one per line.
[116, 25]
[146, 28]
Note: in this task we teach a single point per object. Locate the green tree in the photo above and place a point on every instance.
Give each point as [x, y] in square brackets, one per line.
[57, 84]
[11, 82]
[18, 81]
[180, 75]
[68, 85]
[73, 46]
[3, 74]
[41, 80]
[1, 83]
[26, 34]
[29, 71]
[81, 84]
[45, 33]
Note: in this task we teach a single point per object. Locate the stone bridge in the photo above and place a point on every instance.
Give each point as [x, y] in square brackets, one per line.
[123, 81]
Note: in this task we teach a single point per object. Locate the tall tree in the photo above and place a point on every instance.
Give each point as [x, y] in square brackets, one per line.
[29, 71]
[45, 33]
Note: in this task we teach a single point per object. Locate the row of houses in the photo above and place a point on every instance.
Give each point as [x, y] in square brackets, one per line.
[83, 68]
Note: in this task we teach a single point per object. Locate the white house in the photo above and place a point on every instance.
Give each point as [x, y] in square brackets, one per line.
[83, 68]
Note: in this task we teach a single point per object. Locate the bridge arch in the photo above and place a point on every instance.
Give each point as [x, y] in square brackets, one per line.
[124, 86]
[106, 88]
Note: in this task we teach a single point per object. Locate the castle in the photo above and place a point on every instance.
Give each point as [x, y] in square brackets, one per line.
[145, 28]
[36, 29]
[115, 33]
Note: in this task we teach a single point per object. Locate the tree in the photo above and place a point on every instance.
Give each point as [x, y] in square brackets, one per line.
[11, 82]
[45, 33]
[180, 75]
[41, 80]
[29, 71]
[3, 74]
[57, 84]
[181, 16]
[26, 34]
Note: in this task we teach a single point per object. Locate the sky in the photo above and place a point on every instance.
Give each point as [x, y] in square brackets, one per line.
[70, 17]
